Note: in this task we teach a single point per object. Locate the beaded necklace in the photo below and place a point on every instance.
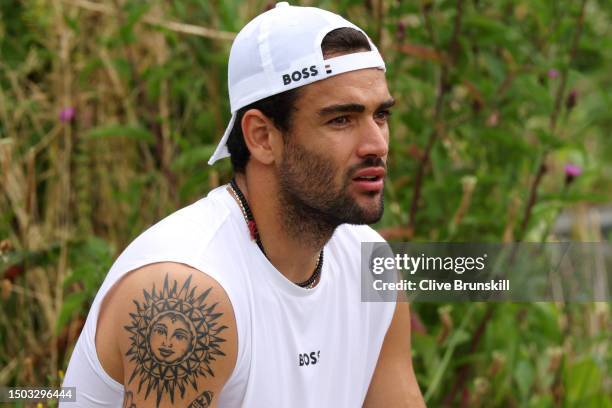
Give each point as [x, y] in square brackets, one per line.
[254, 233]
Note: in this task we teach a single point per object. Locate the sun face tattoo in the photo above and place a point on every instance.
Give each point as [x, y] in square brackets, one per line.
[175, 338]
[171, 337]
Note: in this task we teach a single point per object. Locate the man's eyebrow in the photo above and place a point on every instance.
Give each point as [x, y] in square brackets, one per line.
[341, 108]
[386, 105]
[353, 107]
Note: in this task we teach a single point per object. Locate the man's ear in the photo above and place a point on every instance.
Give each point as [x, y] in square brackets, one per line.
[260, 135]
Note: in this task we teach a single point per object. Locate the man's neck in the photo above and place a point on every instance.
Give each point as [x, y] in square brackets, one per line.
[292, 242]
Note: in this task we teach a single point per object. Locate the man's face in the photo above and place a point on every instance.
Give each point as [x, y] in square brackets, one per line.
[334, 157]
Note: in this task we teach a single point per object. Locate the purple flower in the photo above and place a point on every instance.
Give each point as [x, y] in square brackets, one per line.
[67, 114]
[553, 73]
[572, 97]
[401, 30]
[571, 172]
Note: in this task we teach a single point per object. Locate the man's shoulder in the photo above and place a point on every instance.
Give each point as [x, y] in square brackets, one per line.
[206, 214]
[171, 318]
[194, 225]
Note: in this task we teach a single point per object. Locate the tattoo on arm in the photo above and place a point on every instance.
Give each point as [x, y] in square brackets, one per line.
[175, 339]
[203, 401]
[128, 400]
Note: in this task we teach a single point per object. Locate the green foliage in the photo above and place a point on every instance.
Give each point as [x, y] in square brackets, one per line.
[490, 95]
[133, 132]
[92, 259]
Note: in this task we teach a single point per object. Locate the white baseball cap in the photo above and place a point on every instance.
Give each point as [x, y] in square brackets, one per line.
[280, 50]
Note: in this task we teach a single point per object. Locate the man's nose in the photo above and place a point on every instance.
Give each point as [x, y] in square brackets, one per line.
[374, 139]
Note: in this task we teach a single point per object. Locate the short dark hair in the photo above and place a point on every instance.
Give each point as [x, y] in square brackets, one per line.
[280, 107]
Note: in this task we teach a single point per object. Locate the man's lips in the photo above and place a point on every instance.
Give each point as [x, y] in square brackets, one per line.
[377, 172]
[370, 179]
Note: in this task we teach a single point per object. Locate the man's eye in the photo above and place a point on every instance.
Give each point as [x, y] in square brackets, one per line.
[383, 115]
[340, 120]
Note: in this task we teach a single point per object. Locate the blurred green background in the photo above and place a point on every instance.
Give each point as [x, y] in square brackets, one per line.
[110, 109]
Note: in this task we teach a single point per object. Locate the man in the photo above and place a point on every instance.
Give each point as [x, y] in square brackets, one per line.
[251, 296]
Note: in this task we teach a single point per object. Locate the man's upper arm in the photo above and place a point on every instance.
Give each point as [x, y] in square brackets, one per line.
[394, 383]
[176, 334]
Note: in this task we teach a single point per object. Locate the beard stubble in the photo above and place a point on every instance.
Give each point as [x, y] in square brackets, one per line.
[311, 204]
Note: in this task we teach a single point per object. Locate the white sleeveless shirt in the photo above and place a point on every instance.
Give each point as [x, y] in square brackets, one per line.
[297, 347]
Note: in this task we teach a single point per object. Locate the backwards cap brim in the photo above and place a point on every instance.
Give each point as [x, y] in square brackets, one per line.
[221, 151]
